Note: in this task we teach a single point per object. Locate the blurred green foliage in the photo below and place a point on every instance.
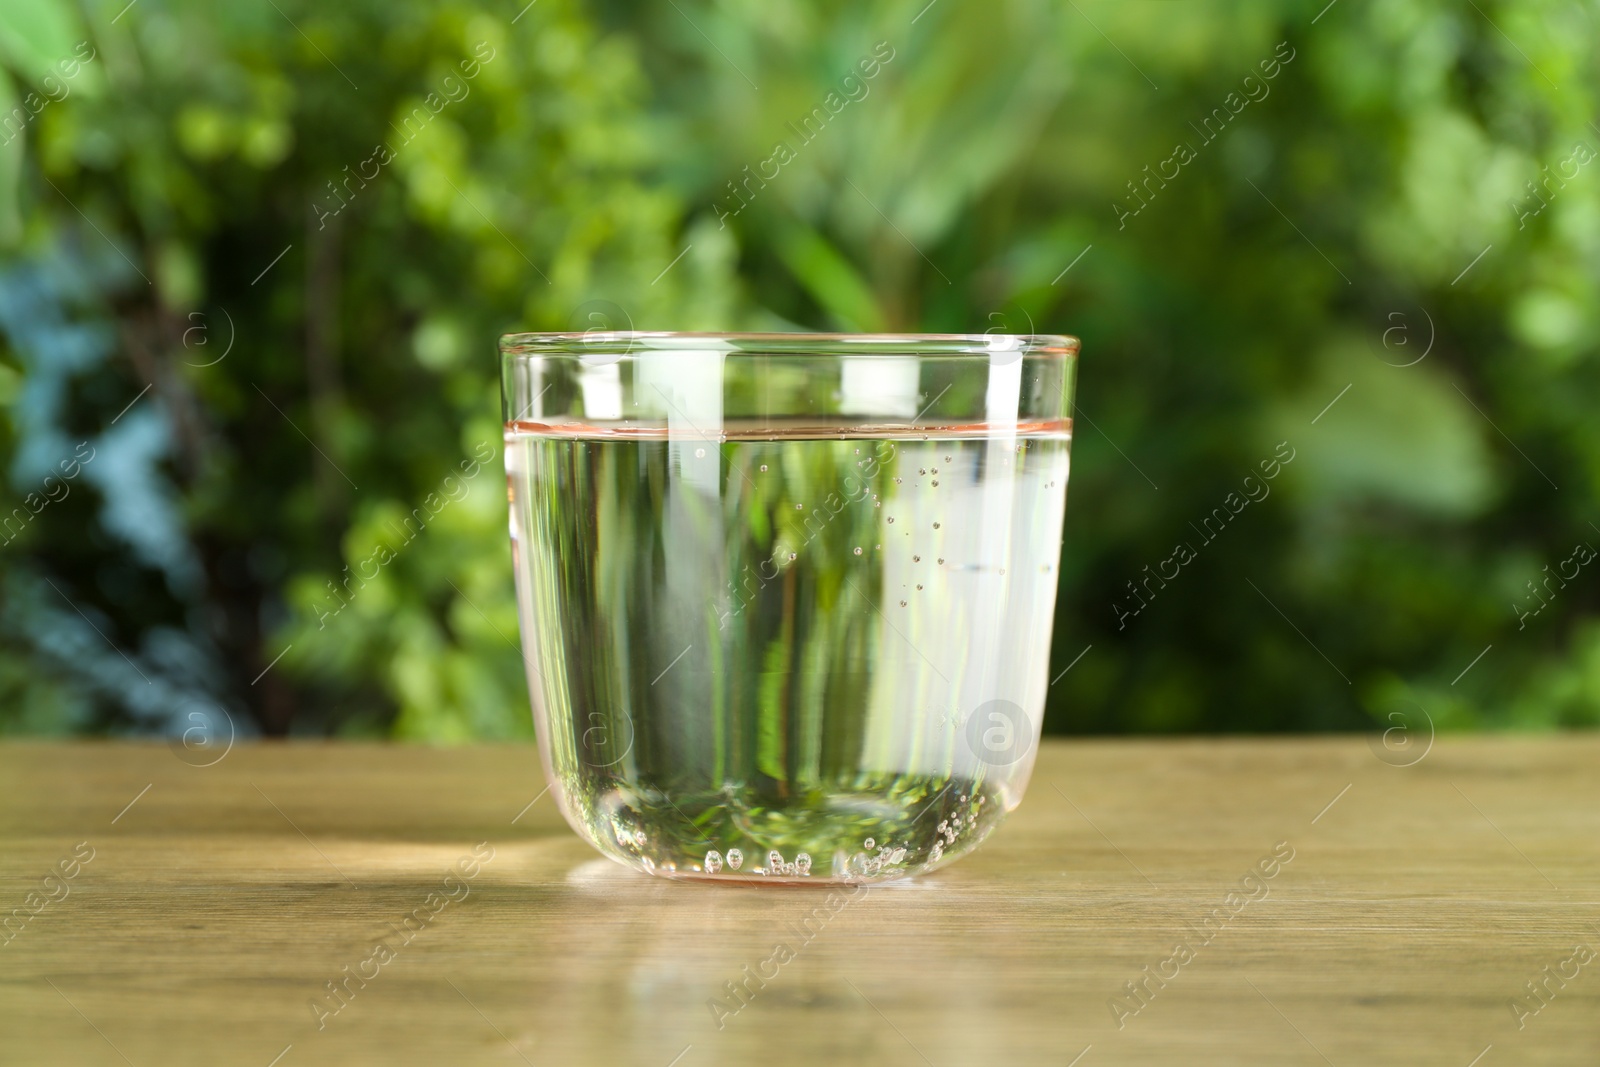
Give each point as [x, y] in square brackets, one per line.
[255, 258]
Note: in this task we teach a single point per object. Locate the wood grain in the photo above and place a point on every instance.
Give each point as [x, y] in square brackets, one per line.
[1417, 903]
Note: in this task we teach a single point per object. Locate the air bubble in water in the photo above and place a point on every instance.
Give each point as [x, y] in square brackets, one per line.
[699, 453]
[919, 587]
[897, 481]
[775, 861]
[763, 468]
[713, 861]
[922, 470]
[941, 561]
[869, 843]
[799, 507]
[936, 470]
[802, 864]
[792, 557]
[858, 551]
[891, 518]
[935, 526]
[936, 481]
[916, 559]
[902, 603]
[947, 459]
[735, 858]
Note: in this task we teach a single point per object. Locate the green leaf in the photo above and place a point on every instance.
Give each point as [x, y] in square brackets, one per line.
[11, 151]
[37, 34]
[830, 279]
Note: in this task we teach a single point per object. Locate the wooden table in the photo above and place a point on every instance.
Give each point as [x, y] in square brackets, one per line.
[220, 900]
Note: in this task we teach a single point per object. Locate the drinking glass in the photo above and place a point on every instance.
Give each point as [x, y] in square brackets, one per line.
[786, 599]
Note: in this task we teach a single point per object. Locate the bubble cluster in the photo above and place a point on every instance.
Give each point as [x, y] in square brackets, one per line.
[777, 865]
[864, 863]
[713, 861]
[950, 829]
[735, 858]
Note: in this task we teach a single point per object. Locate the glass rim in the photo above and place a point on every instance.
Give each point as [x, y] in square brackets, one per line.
[819, 345]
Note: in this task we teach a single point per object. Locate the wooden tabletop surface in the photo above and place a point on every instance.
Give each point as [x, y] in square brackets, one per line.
[164, 913]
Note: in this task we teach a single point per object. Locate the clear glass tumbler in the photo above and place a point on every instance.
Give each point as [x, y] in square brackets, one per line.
[786, 599]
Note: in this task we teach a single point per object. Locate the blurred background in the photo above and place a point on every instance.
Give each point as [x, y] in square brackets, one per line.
[256, 257]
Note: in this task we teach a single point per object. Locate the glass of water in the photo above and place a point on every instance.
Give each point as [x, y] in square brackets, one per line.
[786, 599]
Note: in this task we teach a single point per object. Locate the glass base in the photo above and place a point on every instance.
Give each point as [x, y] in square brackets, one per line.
[863, 834]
